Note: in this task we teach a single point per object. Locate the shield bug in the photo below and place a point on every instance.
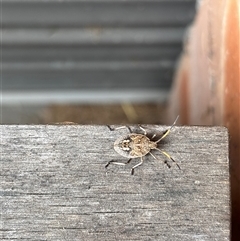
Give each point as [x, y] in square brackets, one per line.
[135, 145]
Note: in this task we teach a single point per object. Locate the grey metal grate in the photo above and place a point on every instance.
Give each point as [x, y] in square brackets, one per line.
[91, 46]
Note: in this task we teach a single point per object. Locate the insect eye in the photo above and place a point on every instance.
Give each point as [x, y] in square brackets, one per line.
[125, 142]
[125, 145]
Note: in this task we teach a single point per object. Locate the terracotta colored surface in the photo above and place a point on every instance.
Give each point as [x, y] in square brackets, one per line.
[231, 115]
[214, 82]
[179, 96]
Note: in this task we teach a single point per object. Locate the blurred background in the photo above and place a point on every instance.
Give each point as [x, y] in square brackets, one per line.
[117, 62]
[91, 62]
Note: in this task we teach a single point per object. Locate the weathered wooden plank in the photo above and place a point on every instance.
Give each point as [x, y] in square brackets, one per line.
[54, 186]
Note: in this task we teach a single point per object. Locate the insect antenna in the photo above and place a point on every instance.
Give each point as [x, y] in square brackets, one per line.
[167, 131]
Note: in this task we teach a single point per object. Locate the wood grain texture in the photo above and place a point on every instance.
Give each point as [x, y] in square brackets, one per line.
[54, 185]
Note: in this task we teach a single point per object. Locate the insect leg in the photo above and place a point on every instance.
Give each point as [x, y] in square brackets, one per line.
[139, 164]
[154, 135]
[168, 156]
[165, 162]
[144, 131]
[118, 163]
[167, 131]
[118, 128]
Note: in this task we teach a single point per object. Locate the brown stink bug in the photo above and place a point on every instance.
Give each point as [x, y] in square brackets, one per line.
[136, 145]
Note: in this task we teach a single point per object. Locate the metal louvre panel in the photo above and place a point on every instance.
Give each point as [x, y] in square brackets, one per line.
[78, 45]
[91, 13]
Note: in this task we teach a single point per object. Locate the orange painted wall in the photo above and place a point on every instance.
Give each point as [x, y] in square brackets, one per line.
[207, 82]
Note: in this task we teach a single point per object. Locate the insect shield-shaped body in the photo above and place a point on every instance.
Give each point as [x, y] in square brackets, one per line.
[134, 145]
